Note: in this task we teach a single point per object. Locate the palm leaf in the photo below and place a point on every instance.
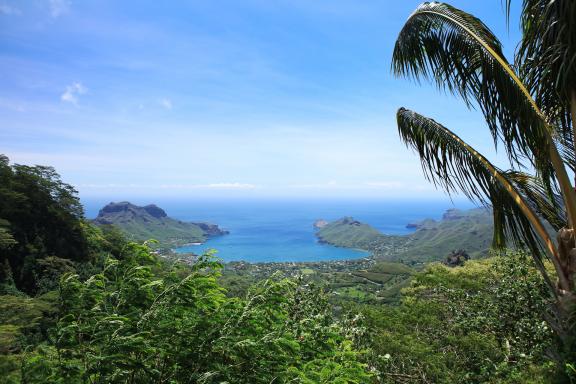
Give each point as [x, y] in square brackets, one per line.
[547, 57]
[535, 193]
[453, 165]
[460, 54]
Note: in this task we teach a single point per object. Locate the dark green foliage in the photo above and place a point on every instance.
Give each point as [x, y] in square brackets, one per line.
[110, 239]
[44, 218]
[457, 258]
[6, 238]
[24, 321]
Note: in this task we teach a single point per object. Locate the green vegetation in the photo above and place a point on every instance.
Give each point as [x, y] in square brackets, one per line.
[151, 222]
[128, 324]
[481, 323]
[432, 241]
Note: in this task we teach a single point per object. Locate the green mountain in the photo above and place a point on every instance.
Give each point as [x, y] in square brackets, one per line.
[152, 222]
[433, 240]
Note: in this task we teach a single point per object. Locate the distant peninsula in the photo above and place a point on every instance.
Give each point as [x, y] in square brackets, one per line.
[432, 240]
[152, 222]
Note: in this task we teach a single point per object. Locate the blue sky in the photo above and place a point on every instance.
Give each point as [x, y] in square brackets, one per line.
[223, 98]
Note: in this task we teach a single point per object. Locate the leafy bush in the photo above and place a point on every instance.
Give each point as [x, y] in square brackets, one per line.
[483, 322]
[130, 325]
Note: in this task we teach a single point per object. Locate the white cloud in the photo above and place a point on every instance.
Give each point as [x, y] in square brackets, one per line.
[72, 92]
[6, 9]
[58, 7]
[166, 103]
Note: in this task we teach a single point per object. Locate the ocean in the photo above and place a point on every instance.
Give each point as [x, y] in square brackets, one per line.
[282, 230]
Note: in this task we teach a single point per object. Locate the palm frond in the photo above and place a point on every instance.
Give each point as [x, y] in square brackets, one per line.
[460, 54]
[547, 57]
[463, 56]
[549, 207]
[453, 165]
[566, 148]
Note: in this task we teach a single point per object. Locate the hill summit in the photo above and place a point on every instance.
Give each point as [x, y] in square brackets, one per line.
[152, 222]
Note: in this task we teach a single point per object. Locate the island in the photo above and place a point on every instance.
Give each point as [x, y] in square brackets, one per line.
[152, 222]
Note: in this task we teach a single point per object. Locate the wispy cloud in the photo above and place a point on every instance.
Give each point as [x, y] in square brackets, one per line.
[72, 93]
[231, 186]
[12, 105]
[328, 185]
[220, 186]
[6, 9]
[372, 185]
[166, 103]
[58, 7]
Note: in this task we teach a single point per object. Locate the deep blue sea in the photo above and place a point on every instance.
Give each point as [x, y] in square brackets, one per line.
[282, 230]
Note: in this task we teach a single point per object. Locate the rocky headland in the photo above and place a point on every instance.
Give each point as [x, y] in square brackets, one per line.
[152, 222]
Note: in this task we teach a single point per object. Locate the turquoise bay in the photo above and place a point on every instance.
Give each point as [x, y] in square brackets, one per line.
[282, 230]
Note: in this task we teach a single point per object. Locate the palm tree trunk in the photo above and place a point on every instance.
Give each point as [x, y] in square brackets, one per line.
[567, 256]
[567, 237]
[566, 304]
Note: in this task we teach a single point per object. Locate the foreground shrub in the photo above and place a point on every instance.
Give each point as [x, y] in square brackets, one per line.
[481, 323]
[129, 325]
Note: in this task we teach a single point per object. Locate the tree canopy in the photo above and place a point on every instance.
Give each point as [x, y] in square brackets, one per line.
[40, 217]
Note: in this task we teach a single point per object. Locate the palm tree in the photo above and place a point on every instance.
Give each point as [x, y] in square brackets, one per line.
[529, 107]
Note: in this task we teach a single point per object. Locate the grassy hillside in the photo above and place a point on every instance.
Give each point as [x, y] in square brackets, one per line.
[469, 230]
[349, 233]
[151, 222]
[433, 240]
